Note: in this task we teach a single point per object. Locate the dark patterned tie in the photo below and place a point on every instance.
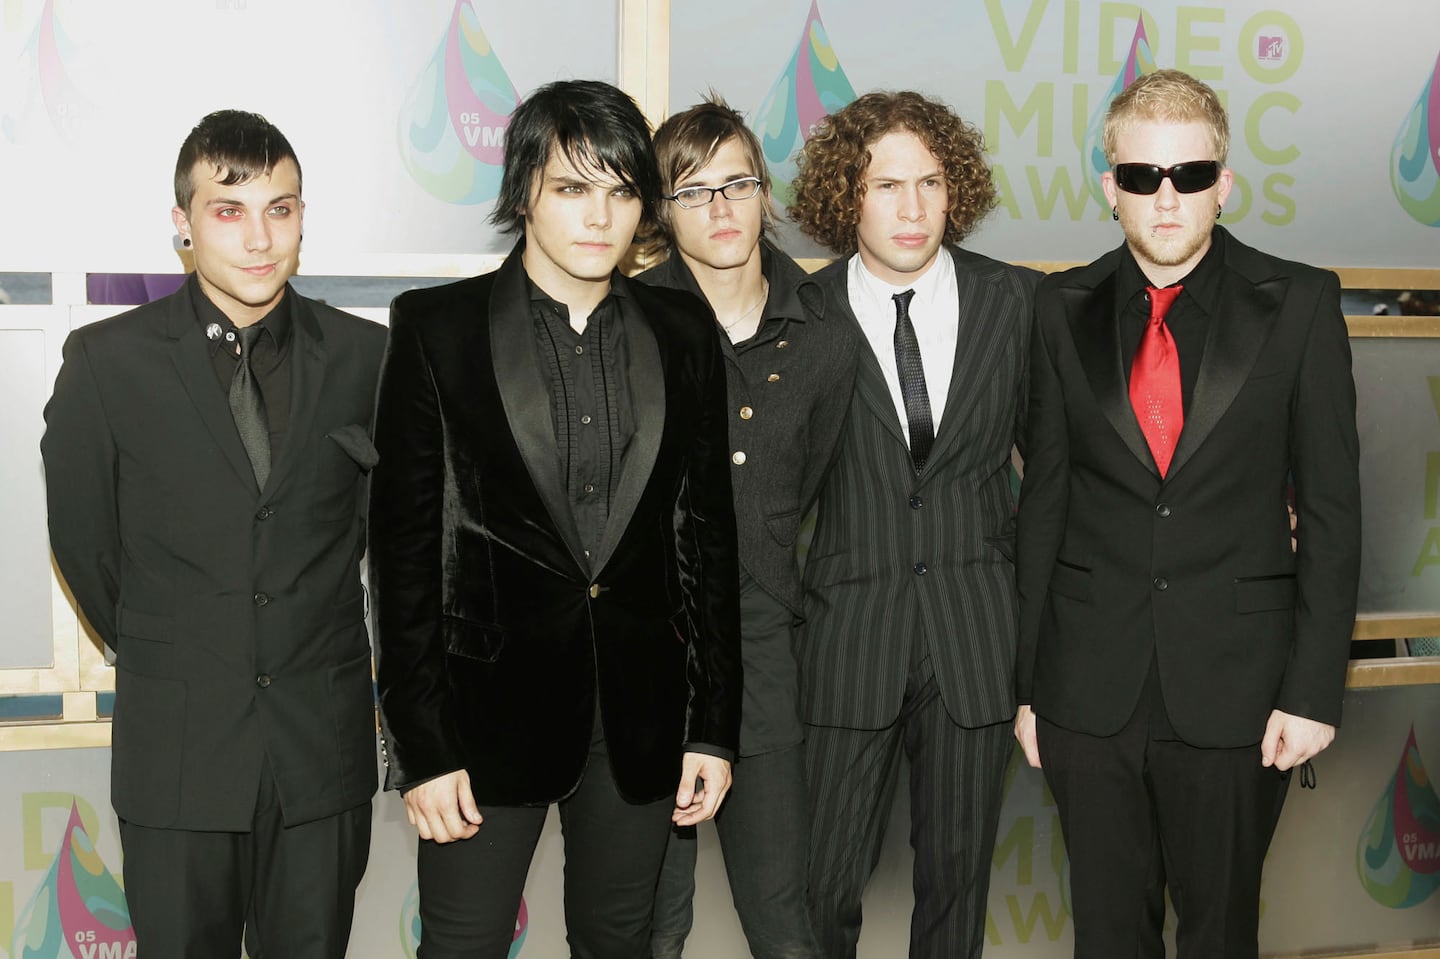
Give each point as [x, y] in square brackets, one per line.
[1155, 381]
[248, 407]
[912, 382]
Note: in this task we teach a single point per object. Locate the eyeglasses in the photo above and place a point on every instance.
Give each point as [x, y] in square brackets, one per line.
[693, 196]
[1145, 178]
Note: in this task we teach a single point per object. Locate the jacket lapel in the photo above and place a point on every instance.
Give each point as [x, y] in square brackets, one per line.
[870, 385]
[646, 378]
[1095, 331]
[307, 384]
[526, 397]
[190, 352]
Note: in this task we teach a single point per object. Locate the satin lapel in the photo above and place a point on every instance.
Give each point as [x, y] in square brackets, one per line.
[307, 384]
[646, 378]
[985, 322]
[526, 397]
[1095, 331]
[870, 385]
[190, 352]
[1247, 313]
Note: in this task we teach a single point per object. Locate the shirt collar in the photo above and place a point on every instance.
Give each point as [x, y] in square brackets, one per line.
[927, 286]
[1202, 284]
[277, 323]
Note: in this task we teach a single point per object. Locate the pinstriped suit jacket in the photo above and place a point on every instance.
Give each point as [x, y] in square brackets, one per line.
[900, 559]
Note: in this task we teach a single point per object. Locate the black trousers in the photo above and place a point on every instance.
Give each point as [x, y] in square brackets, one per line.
[1142, 809]
[956, 788]
[470, 889]
[290, 890]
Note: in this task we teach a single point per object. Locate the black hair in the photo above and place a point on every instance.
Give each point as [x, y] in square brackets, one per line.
[238, 144]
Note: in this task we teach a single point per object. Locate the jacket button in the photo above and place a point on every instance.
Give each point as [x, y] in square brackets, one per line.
[921, 569]
[594, 590]
[263, 680]
[264, 512]
[916, 502]
[1163, 510]
[773, 378]
[746, 412]
[738, 457]
[1161, 583]
[262, 599]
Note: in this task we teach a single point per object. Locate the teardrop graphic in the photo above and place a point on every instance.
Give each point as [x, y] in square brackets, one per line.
[77, 902]
[812, 86]
[1138, 63]
[1415, 157]
[46, 78]
[1398, 856]
[452, 128]
[410, 925]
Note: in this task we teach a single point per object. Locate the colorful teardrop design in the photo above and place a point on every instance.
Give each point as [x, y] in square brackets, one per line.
[1415, 157]
[1398, 855]
[1138, 63]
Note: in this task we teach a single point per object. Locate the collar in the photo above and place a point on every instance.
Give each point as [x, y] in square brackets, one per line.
[794, 295]
[277, 323]
[928, 286]
[1202, 284]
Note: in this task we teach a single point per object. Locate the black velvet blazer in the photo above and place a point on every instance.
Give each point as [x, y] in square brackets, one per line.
[494, 636]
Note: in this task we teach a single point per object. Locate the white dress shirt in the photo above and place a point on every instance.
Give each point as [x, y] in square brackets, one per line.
[935, 312]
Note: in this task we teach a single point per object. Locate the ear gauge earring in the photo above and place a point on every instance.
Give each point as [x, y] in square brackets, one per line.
[1218, 211]
[185, 242]
[1114, 213]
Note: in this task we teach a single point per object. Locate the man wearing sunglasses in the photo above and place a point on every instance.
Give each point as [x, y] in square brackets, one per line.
[788, 370]
[1177, 657]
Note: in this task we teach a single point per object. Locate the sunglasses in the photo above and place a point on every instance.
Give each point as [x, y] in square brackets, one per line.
[1145, 178]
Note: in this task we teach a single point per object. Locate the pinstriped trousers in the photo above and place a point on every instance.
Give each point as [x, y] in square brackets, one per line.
[956, 788]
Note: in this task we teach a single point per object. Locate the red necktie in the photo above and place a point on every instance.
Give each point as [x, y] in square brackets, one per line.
[1155, 381]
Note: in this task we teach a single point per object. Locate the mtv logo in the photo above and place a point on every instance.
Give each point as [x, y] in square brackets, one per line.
[1271, 48]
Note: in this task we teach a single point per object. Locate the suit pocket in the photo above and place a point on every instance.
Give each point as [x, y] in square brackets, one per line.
[147, 748]
[470, 640]
[150, 626]
[1258, 594]
[1071, 581]
[355, 441]
[782, 527]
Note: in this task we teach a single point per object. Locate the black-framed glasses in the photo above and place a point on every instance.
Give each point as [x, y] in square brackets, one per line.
[1145, 178]
[693, 196]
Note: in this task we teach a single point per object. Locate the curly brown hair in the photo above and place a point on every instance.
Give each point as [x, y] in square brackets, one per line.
[830, 183]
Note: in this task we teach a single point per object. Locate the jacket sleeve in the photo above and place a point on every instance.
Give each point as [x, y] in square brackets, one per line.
[418, 729]
[1325, 466]
[709, 567]
[79, 453]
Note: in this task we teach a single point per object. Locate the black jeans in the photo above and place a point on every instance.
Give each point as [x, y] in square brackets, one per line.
[470, 889]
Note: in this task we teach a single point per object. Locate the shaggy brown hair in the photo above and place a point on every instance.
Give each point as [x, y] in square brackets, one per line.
[1168, 96]
[830, 183]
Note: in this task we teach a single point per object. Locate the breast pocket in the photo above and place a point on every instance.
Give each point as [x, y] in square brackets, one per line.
[339, 461]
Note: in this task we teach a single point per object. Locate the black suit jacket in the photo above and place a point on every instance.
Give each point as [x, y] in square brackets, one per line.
[1118, 565]
[494, 633]
[236, 616]
[899, 558]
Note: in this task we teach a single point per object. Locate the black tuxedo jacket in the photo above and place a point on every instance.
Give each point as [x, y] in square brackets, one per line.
[495, 630]
[1196, 570]
[236, 616]
[900, 559]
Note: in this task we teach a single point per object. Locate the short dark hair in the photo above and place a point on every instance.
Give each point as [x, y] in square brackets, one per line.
[238, 144]
[593, 124]
[830, 183]
[689, 140]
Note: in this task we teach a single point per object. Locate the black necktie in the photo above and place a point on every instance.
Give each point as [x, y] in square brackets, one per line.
[912, 382]
[248, 407]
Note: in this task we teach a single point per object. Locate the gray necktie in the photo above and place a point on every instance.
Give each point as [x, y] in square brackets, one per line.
[248, 407]
[912, 382]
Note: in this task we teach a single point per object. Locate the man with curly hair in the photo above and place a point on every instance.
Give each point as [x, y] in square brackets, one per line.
[910, 595]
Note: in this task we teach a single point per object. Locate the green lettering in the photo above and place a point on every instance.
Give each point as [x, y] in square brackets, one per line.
[1070, 58]
[1014, 52]
[1430, 549]
[1187, 43]
[1021, 841]
[1265, 102]
[1434, 382]
[1284, 202]
[1004, 194]
[1239, 200]
[1054, 922]
[1040, 104]
[1432, 479]
[1125, 14]
[1076, 196]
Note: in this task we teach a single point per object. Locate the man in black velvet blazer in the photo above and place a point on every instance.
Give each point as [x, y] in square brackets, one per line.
[1180, 656]
[226, 576]
[553, 550]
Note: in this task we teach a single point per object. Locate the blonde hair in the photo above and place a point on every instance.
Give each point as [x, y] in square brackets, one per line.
[1170, 96]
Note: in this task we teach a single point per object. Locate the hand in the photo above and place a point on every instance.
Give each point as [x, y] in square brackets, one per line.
[1025, 733]
[704, 781]
[1291, 740]
[443, 809]
[1294, 522]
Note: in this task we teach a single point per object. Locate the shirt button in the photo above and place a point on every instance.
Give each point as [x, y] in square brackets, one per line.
[738, 457]
[263, 680]
[921, 569]
[916, 502]
[589, 487]
[773, 378]
[264, 512]
[1161, 583]
[594, 590]
[1163, 510]
[579, 349]
[746, 412]
[262, 599]
[585, 419]
[782, 344]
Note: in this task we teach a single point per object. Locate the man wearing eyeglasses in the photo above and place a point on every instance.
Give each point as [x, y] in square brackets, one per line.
[788, 368]
[1177, 658]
